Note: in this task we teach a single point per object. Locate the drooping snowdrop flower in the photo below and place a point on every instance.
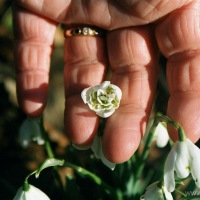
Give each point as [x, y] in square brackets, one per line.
[30, 131]
[156, 191]
[161, 135]
[96, 147]
[98, 152]
[32, 193]
[103, 99]
[184, 158]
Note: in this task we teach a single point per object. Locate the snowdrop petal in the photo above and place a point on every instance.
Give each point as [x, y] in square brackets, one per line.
[20, 194]
[168, 195]
[194, 153]
[161, 135]
[106, 113]
[32, 194]
[30, 131]
[195, 171]
[106, 162]
[84, 94]
[82, 147]
[98, 152]
[96, 146]
[154, 192]
[117, 90]
[169, 180]
[40, 141]
[105, 84]
[182, 161]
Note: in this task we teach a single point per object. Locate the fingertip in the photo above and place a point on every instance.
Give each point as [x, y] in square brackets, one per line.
[185, 109]
[32, 109]
[32, 101]
[122, 135]
[119, 149]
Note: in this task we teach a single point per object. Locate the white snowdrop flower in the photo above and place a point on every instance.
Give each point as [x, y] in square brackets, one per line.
[96, 147]
[103, 99]
[32, 193]
[161, 135]
[98, 152]
[156, 191]
[184, 158]
[30, 131]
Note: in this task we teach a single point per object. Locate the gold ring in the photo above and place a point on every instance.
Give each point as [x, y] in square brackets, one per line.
[84, 31]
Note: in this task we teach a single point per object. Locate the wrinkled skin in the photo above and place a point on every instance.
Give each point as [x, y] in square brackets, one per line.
[137, 31]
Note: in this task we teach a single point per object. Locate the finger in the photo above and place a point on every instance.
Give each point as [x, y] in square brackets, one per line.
[85, 61]
[179, 39]
[133, 59]
[55, 10]
[33, 46]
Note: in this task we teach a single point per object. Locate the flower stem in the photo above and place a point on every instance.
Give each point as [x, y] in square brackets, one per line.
[180, 192]
[26, 185]
[83, 172]
[102, 124]
[181, 134]
[50, 153]
[46, 138]
[176, 125]
[147, 146]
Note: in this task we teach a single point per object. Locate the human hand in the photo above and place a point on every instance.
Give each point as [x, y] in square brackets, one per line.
[135, 31]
